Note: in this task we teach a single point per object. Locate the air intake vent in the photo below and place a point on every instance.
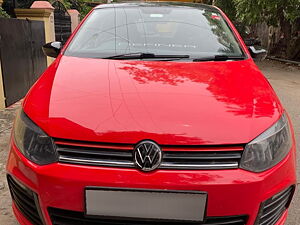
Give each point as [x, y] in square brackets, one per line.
[25, 200]
[66, 217]
[174, 157]
[272, 209]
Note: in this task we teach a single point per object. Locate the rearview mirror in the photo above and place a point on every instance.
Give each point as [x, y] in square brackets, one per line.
[52, 49]
[257, 54]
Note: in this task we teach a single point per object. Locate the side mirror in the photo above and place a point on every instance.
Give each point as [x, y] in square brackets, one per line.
[258, 54]
[252, 41]
[52, 49]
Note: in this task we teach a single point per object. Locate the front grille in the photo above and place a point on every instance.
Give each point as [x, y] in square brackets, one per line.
[25, 200]
[272, 209]
[66, 217]
[174, 157]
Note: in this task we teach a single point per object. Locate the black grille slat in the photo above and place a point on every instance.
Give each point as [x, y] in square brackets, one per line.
[29, 213]
[273, 219]
[67, 217]
[275, 200]
[199, 165]
[273, 208]
[201, 155]
[19, 188]
[227, 221]
[24, 196]
[121, 155]
[24, 200]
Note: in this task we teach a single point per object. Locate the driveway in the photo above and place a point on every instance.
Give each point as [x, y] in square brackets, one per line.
[286, 82]
[284, 78]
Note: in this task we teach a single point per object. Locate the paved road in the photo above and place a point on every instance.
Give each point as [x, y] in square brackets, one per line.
[285, 80]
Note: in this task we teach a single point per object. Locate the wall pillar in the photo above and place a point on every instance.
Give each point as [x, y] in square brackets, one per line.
[2, 96]
[75, 18]
[40, 11]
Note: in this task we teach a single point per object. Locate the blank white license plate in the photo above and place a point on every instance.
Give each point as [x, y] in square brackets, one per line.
[145, 204]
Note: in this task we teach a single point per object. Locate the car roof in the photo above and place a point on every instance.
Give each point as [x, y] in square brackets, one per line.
[158, 4]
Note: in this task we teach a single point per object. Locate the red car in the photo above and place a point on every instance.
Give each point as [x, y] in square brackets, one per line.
[152, 114]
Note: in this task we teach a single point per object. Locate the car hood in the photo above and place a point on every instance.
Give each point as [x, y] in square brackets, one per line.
[172, 103]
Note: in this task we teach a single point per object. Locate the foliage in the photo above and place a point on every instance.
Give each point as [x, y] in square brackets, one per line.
[209, 2]
[284, 14]
[256, 11]
[228, 6]
[271, 12]
[3, 13]
[80, 5]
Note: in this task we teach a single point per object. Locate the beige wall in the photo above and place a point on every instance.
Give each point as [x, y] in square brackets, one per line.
[2, 96]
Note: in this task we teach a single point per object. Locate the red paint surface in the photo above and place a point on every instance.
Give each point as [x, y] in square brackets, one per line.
[168, 102]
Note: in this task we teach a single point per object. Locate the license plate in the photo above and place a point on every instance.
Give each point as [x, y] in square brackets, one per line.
[145, 204]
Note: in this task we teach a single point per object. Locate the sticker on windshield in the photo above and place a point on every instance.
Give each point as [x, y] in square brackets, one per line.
[215, 16]
[156, 15]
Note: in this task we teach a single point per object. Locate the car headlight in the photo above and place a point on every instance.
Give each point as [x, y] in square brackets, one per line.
[269, 148]
[34, 143]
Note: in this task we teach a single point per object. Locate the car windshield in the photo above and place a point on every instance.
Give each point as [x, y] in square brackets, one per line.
[156, 30]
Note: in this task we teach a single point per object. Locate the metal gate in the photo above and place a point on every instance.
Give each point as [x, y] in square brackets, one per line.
[62, 22]
[22, 59]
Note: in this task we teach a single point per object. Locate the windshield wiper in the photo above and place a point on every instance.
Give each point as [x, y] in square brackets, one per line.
[141, 55]
[218, 58]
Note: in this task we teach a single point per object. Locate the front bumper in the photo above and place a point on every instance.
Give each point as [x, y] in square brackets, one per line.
[230, 192]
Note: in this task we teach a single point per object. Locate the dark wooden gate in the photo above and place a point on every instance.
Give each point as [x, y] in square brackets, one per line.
[62, 22]
[22, 59]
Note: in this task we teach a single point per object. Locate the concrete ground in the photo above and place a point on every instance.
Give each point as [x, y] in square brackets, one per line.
[284, 78]
[286, 82]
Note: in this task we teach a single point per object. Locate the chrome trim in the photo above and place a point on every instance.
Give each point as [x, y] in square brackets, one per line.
[233, 165]
[66, 159]
[272, 219]
[284, 195]
[163, 165]
[278, 207]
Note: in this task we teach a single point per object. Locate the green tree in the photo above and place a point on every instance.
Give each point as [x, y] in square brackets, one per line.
[273, 12]
[282, 13]
[3, 13]
[80, 5]
[228, 6]
[278, 13]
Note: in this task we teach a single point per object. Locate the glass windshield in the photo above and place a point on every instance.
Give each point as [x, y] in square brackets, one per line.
[163, 30]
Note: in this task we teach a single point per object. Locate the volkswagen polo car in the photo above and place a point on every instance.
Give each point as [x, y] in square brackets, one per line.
[152, 114]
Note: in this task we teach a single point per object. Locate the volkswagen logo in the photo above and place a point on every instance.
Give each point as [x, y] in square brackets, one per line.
[147, 156]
